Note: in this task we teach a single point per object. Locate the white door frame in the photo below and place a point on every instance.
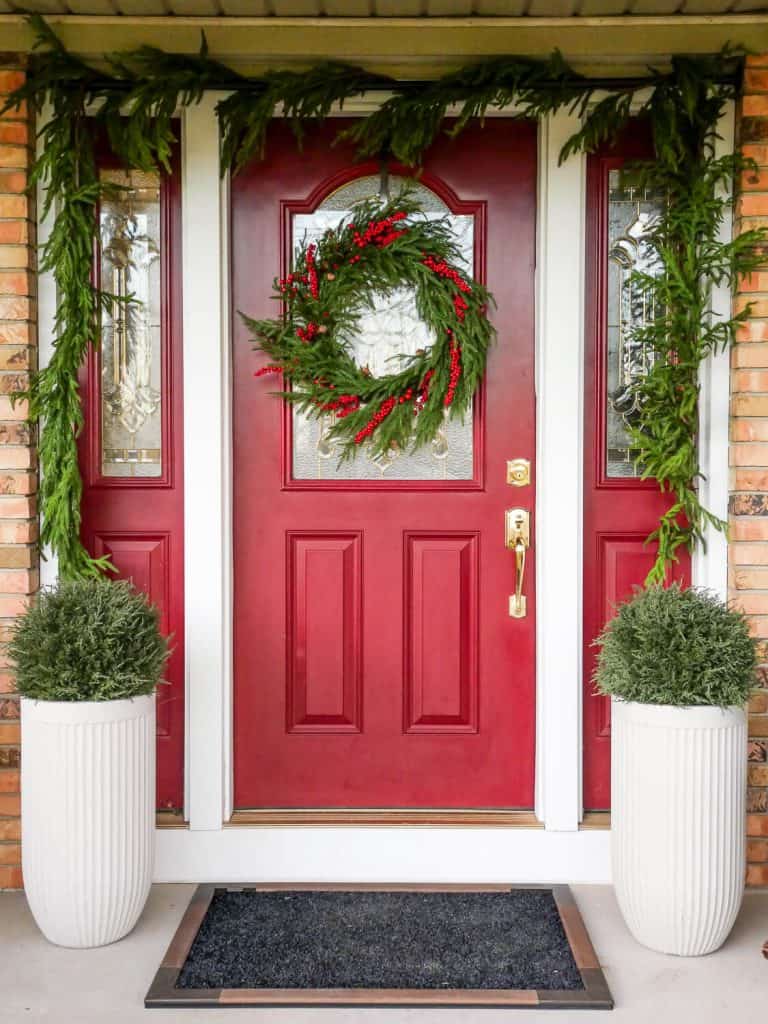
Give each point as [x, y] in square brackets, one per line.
[208, 850]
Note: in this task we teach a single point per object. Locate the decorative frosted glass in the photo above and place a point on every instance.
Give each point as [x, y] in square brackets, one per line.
[632, 211]
[393, 327]
[131, 385]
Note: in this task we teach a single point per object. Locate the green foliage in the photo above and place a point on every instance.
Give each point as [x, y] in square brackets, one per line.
[137, 98]
[348, 278]
[89, 639]
[407, 124]
[676, 646]
[684, 109]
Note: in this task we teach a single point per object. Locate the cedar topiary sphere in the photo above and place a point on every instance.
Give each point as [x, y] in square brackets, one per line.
[675, 646]
[88, 639]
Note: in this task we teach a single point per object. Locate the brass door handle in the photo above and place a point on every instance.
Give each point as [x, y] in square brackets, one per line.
[517, 538]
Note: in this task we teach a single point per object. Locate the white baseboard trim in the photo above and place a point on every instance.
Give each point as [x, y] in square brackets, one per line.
[424, 854]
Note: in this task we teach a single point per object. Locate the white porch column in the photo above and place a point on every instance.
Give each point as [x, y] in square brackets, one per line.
[559, 482]
[207, 556]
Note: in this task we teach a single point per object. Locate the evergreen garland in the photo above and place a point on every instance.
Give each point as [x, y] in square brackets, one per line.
[136, 100]
[379, 249]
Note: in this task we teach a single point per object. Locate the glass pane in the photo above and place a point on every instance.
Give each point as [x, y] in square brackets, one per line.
[131, 388]
[392, 328]
[631, 212]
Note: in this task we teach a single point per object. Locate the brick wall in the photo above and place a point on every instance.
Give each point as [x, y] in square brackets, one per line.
[18, 524]
[748, 558]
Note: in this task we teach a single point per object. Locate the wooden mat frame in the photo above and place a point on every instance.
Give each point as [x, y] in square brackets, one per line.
[594, 996]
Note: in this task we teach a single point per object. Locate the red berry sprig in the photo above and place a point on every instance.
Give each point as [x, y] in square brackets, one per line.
[308, 333]
[443, 269]
[309, 259]
[384, 410]
[268, 369]
[346, 404]
[455, 371]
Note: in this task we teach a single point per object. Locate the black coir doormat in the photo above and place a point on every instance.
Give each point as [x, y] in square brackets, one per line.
[381, 945]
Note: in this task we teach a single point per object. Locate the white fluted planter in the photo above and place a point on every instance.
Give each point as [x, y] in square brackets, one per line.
[677, 819]
[87, 804]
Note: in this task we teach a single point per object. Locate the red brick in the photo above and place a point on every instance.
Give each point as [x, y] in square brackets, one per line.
[26, 532]
[749, 405]
[748, 554]
[18, 133]
[16, 282]
[758, 724]
[15, 206]
[14, 181]
[10, 410]
[16, 157]
[756, 152]
[752, 604]
[14, 232]
[11, 80]
[11, 878]
[10, 804]
[743, 479]
[10, 854]
[757, 874]
[17, 334]
[744, 528]
[741, 380]
[9, 781]
[26, 581]
[9, 709]
[10, 830]
[10, 607]
[752, 330]
[754, 181]
[751, 579]
[748, 356]
[12, 457]
[758, 628]
[753, 106]
[757, 824]
[748, 206]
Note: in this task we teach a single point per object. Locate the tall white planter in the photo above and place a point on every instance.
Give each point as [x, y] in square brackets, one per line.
[87, 804]
[677, 820]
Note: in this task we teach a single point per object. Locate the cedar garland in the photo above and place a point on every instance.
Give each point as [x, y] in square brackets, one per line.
[138, 96]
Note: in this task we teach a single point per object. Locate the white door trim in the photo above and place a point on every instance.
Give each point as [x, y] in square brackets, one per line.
[207, 470]
[559, 475]
[710, 562]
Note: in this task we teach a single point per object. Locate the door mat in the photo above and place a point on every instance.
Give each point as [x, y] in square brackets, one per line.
[365, 945]
[381, 945]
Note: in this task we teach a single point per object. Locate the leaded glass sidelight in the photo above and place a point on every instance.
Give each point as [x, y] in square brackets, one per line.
[632, 212]
[131, 378]
[391, 328]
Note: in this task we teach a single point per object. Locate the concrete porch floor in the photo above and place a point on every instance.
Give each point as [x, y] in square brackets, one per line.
[42, 982]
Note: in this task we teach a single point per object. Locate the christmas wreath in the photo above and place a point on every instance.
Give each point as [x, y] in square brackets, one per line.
[380, 248]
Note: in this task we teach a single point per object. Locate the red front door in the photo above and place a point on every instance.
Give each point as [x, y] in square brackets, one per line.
[376, 663]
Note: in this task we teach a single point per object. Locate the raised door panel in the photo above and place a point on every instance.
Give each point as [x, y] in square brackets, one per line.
[441, 641]
[324, 648]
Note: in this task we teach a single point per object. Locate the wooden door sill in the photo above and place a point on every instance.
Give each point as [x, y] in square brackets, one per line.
[384, 817]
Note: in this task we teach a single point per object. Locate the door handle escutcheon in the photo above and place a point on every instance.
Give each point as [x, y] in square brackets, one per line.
[517, 534]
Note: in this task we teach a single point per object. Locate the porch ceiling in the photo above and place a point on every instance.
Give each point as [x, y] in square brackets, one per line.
[386, 8]
[406, 38]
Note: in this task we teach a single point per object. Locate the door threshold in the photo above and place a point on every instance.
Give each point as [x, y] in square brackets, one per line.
[406, 817]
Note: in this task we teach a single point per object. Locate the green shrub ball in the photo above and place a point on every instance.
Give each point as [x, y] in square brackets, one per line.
[88, 639]
[676, 646]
